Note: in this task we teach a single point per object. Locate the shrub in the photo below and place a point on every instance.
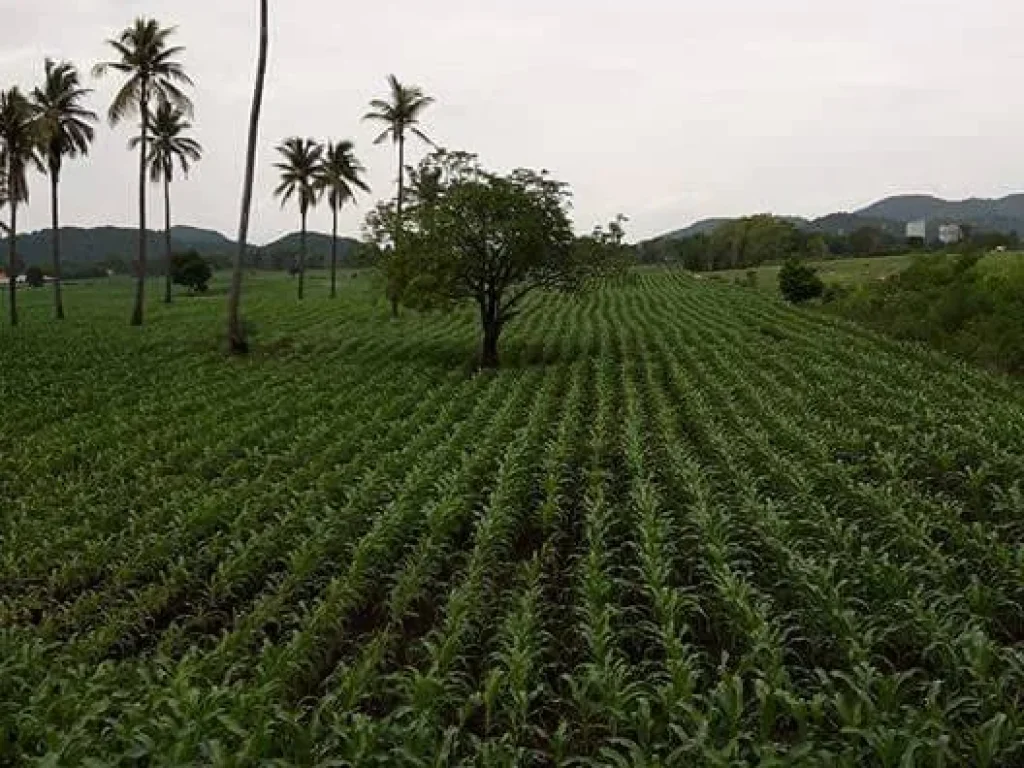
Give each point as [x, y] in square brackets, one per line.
[34, 277]
[954, 302]
[835, 292]
[191, 270]
[799, 282]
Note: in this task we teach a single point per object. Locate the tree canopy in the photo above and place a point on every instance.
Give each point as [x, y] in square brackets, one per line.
[478, 236]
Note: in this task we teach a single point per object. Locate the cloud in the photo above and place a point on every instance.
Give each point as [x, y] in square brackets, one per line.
[666, 111]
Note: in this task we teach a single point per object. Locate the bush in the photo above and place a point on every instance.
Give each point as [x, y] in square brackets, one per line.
[799, 282]
[835, 292]
[954, 302]
[191, 270]
[34, 277]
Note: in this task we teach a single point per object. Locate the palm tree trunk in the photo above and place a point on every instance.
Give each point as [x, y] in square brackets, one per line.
[12, 260]
[401, 179]
[140, 282]
[58, 301]
[302, 254]
[237, 343]
[334, 251]
[400, 223]
[167, 239]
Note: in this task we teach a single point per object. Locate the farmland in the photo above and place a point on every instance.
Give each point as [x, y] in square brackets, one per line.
[682, 525]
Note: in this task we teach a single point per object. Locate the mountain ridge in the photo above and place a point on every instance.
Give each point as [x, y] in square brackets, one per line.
[1003, 214]
[118, 245]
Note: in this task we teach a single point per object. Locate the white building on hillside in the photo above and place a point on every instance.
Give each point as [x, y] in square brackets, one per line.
[950, 233]
[917, 229]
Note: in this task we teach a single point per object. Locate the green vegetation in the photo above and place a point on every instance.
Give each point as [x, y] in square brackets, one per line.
[684, 525]
[799, 282]
[846, 272]
[476, 236]
[191, 270]
[969, 305]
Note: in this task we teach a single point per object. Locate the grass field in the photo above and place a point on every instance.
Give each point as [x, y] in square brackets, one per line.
[841, 271]
[854, 271]
[683, 525]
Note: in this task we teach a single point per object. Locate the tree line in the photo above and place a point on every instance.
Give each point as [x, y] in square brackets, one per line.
[754, 240]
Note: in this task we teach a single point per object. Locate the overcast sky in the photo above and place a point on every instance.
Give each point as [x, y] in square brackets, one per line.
[665, 110]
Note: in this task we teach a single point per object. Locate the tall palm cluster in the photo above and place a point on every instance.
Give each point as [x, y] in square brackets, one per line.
[39, 131]
[311, 171]
[42, 129]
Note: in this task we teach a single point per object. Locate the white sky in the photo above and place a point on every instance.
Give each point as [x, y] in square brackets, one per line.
[666, 110]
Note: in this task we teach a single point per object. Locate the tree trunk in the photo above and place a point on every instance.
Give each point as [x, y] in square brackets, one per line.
[400, 222]
[491, 324]
[302, 254]
[334, 251]
[489, 350]
[401, 182]
[12, 260]
[167, 239]
[237, 343]
[140, 282]
[58, 301]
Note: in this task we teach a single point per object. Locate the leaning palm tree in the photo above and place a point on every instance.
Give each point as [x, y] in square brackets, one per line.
[339, 175]
[298, 170]
[400, 114]
[19, 142]
[66, 131]
[153, 72]
[167, 144]
[237, 342]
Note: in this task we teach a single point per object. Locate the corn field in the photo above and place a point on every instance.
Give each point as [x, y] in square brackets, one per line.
[683, 525]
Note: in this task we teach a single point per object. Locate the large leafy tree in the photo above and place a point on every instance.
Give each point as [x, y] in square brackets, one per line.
[66, 131]
[338, 176]
[301, 159]
[486, 238]
[400, 114]
[169, 144]
[150, 64]
[237, 342]
[19, 143]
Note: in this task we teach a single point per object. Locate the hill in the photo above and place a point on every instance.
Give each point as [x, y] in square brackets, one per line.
[117, 246]
[1004, 215]
[318, 247]
[201, 238]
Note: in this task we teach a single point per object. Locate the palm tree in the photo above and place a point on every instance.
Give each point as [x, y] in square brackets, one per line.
[19, 142]
[339, 176]
[167, 144]
[66, 132]
[301, 159]
[150, 65]
[400, 114]
[237, 343]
